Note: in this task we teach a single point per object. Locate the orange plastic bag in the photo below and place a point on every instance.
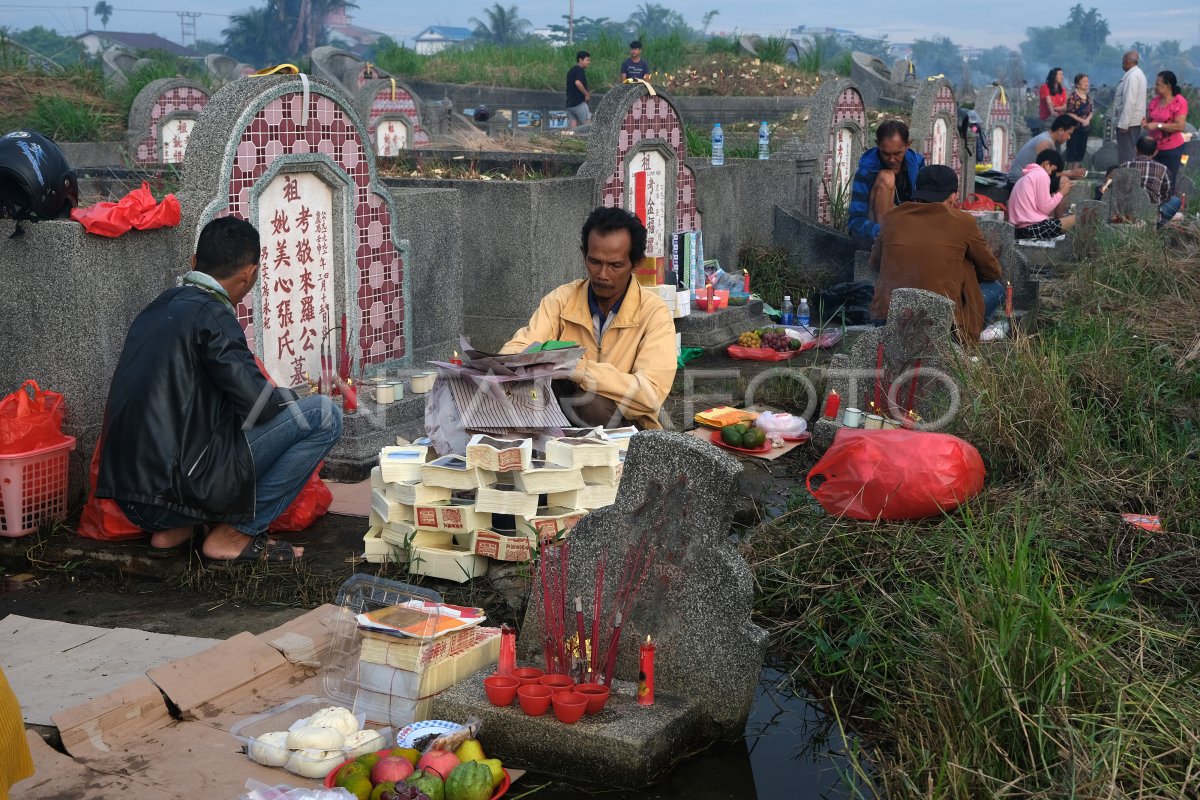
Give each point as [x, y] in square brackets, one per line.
[30, 419]
[138, 209]
[102, 518]
[895, 474]
[309, 506]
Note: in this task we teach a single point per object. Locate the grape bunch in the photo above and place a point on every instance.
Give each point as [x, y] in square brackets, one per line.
[750, 339]
[776, 339]
[403, 792]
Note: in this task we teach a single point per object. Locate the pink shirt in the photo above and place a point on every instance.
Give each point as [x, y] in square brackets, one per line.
[1166, 112]
[1031, 200]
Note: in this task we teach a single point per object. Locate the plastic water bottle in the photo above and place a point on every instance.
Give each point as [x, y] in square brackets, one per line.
[718, 146]
[764, 142]
[786, 316]
[802, 313]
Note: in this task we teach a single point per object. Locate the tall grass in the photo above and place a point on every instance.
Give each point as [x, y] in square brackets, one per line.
[67, 121]
[1031, 644]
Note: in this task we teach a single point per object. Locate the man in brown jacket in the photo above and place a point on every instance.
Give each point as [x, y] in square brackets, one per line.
[625, 329]
[928, 244]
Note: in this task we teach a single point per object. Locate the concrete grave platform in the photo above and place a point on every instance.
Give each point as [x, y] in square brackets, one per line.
[625, 745]
[716, 329]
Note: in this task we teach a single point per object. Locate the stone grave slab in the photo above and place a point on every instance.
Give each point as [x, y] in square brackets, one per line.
[697, 600]
[934, 129]
[1127, 198]
[837, 126]
[626, 745]
[716, 329]
[997, 115]
[1001, 238]
[919, 325]
[161, 120]
[393, 115]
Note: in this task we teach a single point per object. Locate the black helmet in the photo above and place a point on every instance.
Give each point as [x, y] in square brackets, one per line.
[36, 180]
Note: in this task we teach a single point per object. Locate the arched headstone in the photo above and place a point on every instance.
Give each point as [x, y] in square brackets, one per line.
[288, 154]
[161, 120]
[344, 69]
[393, 114]
[934, 125]
[224, 69]
[117, 64]
[997, 116]
[636, 151]
[837, 124]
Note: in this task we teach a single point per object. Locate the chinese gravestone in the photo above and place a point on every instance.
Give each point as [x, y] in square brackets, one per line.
[161, 120]
[393, 116]
[935, 125]
[997, 116]
[837, 126]
[287, 154]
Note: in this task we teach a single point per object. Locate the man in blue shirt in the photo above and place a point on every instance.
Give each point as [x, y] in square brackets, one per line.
[578, 95]
[633, 67]
[885, 178]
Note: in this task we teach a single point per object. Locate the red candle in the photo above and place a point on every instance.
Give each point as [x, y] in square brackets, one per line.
[1008, 299]
[508, 651]
[646, 674]
[349, 397]
[455, 360]
[746, 281]
[833, 402]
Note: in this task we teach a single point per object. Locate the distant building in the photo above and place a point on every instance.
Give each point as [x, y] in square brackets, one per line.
[353, 38]
[437, 38]
[96, 41]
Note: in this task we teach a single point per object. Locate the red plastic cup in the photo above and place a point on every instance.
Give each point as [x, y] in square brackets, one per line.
[534, 699]
[501, 689]
[559, 683]
[596, 694]
[528, 676]
[569, 706]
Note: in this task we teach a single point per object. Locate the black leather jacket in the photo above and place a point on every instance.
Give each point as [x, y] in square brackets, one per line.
[185, 390]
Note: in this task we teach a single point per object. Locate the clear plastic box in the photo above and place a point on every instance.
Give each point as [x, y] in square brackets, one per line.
[339, 668]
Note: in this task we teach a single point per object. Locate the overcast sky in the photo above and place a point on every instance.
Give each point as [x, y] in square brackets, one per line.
[973, 24]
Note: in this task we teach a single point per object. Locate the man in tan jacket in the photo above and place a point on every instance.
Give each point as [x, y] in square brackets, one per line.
[626, 330]
[928, 244]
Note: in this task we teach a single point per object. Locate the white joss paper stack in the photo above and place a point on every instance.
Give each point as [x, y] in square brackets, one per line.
[543, 477]
[452, 472]
[506, 500]
[499, 455]
[397, 463]
[582, 452]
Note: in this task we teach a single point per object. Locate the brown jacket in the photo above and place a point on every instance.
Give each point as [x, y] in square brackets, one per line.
[937, 248]
[636, 365]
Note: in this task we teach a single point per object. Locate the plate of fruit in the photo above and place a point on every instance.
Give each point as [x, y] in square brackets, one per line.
[402, 773]
[742, 438]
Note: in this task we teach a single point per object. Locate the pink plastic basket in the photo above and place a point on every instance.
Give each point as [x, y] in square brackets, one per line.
[33, 488]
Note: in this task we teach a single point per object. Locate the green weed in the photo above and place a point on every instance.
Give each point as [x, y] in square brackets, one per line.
[63, 120]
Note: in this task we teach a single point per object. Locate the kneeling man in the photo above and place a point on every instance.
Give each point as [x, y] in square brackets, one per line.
[928, 244]
[625, 329]
[193, 431]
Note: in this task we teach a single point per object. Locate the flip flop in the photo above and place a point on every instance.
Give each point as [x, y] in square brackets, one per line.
[260, 548]
[198, 533]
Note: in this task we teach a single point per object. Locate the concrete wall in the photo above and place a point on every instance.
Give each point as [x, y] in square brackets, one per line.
[69, 301]
[737, 203]
[431, 220]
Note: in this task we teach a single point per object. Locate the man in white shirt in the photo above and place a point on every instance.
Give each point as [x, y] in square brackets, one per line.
[1129, 107]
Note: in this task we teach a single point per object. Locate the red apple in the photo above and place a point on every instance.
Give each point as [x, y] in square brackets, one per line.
[442, 762]
[391, 768]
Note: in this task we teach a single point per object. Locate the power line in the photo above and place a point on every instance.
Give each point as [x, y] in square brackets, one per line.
[133, 10]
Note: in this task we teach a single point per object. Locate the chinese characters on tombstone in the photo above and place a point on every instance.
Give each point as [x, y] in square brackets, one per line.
[174, 136]
[648, 181]
[937, 153]
[295, 275]
[391, 136]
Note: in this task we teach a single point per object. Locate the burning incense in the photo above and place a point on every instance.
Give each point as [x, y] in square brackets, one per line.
[581, 632]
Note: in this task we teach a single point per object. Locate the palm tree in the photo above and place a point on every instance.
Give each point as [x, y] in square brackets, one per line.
[252, 37]
[103, 10]
[504, 25]
[654, 19]
[279, 31]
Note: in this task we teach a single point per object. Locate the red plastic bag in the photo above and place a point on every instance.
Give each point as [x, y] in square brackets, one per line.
[765, 353]
[980, 202]
[30, 419]
[138, 209]
[895, 474]
[102, 518]
[309, 506]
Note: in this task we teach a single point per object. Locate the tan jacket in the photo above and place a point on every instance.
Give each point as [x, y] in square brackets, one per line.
[937, 248]
[636, 365]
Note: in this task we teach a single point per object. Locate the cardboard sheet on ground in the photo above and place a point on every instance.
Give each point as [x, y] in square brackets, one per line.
[55, 665]
[350, 499]
[131, 747]
[705, 435]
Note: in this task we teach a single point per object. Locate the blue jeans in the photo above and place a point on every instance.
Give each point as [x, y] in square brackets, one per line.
[286, 450]
[1168, 210]
[993, 296]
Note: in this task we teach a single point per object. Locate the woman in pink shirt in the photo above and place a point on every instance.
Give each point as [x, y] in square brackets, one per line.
[1165, 120]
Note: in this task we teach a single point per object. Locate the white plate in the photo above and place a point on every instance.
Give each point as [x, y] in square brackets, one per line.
[417, 730]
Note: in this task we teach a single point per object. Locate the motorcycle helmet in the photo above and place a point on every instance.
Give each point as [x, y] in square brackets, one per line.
[36, 180]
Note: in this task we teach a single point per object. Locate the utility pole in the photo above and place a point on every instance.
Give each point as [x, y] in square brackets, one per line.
[87, 23]
[571, 24]
[187, 26]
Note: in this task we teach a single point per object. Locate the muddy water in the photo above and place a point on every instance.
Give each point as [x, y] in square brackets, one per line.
[790, 750]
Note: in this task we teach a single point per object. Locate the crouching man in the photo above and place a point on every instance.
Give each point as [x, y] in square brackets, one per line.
[625, 329]
[193, 431]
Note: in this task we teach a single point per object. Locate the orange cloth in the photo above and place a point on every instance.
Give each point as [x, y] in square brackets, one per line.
[15, 762]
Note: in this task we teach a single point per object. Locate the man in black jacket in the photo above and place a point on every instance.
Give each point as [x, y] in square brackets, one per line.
[193, 431]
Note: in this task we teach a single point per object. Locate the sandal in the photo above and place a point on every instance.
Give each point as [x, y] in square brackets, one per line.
[198, 533]
[260, 548]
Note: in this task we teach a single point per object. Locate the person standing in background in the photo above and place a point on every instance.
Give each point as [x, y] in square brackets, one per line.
[1129, 106]
[1052, 96]
[634, 68]
[578, 95]
[1166, 119]
[1079, 108]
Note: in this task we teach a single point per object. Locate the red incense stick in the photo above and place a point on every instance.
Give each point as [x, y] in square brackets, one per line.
[597, 605]
[912, 385]
[581, 632]
[878, 375]
[610, 658]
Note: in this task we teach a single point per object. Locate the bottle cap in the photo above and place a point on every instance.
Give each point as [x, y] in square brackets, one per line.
[787, 297]
[803, 299]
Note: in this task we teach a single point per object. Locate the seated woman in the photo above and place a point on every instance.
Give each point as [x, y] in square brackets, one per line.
[1033, 201]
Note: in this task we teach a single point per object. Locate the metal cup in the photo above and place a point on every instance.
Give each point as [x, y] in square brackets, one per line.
[852, 417]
